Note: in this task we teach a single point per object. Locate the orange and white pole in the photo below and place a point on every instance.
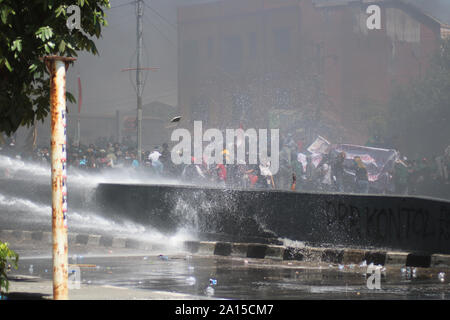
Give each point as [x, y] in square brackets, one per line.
[57, 67]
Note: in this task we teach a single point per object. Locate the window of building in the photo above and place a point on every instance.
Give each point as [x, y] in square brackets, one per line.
[199, 110]
[232, 53]
[241, 107]
[252, 44]
[189, 57]
[210, 47]
[282, 40]
[282, 98]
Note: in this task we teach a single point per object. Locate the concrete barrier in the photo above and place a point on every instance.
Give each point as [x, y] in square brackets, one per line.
[397, 223]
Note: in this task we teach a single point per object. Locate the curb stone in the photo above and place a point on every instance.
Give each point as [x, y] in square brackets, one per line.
[73, 238]
[313, 254]
[252, 250]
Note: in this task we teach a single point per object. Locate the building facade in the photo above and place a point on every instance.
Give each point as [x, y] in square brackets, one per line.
[304, 66]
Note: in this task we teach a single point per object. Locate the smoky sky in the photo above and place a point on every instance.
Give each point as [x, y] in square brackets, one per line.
[107, 89]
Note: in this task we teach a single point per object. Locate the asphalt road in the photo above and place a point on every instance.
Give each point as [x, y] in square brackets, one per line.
[178, 274]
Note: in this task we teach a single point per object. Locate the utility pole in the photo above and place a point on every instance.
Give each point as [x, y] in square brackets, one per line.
[139, 14]
[57, 67]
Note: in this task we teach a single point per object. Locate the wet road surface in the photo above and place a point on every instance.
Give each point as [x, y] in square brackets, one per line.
[240, 278]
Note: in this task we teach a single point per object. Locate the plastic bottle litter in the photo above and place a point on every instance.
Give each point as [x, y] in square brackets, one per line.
[212, 282]
[441, 276]
[209, 291]
[191, 281]
[162, 257]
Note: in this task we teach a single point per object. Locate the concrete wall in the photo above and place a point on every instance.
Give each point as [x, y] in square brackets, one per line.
[353, 220]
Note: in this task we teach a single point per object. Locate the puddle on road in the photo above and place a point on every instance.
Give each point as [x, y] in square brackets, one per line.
[247, 278]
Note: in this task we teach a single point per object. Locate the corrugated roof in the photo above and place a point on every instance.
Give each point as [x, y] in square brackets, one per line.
[439, 10]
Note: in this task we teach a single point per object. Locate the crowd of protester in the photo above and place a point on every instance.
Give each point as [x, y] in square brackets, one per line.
[334, 173]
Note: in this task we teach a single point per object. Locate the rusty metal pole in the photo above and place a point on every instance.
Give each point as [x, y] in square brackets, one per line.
[139, 84]
[57, 67]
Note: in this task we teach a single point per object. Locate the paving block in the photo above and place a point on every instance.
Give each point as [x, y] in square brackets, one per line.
[191, 246]
[353, 256]
[292, 253]
[82, 239]
[27, 235]
[440, 260]
[239, 250]
[119, 242]
[206, 248]
[257, 251]
[106, 241]
[396, 258]
[312, 254]
[421, 260]
[94, 240]
[375, 257]
[332, 255]
[223, 249]
[275, 252]
[48, 238]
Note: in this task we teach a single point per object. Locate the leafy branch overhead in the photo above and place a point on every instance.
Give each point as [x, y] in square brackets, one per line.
[30, 30]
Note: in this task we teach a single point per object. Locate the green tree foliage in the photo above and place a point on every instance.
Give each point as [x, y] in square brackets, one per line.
[418, 118]
[6, 256]
[30, 30]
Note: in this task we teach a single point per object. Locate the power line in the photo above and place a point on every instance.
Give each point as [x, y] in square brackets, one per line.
[159, 30]
[160, 15]
[123, 4]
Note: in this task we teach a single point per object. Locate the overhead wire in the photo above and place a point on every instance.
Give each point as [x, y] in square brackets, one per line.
[160, 32]
[123, 4]
[160, 15]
